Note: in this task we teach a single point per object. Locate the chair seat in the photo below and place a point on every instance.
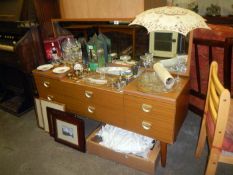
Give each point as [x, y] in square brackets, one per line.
[226, 153]
[227, 144]
[229, 128]
[228, 138]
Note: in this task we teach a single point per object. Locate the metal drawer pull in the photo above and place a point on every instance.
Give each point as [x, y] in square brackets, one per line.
[88, 94]
[146, 107]
[50, 97]
[46, 84]
[91, 109]
[146, 125]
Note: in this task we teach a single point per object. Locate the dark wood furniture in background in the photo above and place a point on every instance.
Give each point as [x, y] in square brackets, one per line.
[16, 65]
[215, 44]
[45, 11]
[228, 64]
[20, 53]
[220, 20]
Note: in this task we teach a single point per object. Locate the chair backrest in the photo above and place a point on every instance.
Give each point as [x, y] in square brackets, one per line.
[216, 108]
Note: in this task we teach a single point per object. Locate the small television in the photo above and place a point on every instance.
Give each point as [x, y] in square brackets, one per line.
[163, 44]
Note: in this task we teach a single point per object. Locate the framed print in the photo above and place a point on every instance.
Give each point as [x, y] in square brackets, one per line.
[38, 110]
[51, 104]
[50, 113]
[68, 129]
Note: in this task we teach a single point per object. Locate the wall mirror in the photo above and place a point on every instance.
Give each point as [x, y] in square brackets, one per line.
[132, 40]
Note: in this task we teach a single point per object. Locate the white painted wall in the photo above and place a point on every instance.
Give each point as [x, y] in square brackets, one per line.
[203, 4]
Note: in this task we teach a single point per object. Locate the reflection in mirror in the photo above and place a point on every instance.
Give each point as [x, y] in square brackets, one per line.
[171, 49]
[125, 40]
[171, 53]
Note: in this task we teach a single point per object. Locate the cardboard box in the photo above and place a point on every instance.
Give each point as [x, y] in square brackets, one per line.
[146, 165]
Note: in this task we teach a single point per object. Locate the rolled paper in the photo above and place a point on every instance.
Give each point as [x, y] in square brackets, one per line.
[169, 62]
[164, 75]
[182, 59]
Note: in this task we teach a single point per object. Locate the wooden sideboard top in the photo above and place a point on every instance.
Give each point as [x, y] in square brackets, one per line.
[48, 74]
[130, 89]
[170, 96]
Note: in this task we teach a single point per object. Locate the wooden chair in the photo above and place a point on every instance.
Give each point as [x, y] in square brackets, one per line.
[216, 123]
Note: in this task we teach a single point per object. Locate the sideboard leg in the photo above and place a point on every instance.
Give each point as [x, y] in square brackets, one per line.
[163, 152]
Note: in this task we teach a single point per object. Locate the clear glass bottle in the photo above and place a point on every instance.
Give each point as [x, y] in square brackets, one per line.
[55, 58]
[100, 57]
[53, 51]
[67, 49]
[77, 52]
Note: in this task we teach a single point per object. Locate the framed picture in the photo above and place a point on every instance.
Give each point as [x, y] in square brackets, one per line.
[38, 110]
[68, 129]
[50, 113]
[51, 104]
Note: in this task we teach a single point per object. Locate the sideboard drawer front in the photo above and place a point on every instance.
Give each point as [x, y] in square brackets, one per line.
[102, 97]
[47, 84]
[112, 115]
[148, 106]
[52, 86]
[150, 117]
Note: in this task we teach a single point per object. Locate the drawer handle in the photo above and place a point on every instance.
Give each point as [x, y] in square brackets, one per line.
[146, 107]
[146, 125]
[88, 94]
[46, 84]
[91, 109]
[50, 97]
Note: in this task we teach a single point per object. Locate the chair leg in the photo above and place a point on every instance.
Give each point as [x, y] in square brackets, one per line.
[213, 161]
[201, 139]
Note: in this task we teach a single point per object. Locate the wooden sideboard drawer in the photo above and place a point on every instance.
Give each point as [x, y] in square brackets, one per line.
[98, 104]
[113, 115]
[150, 117]
[51, 86]
[105, 113]
[102, 96]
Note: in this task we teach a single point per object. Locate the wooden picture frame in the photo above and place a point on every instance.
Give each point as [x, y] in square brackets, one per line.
[51, 104]
[39, 116]
[67, 129]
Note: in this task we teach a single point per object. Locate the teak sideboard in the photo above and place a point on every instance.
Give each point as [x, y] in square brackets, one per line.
[159, 116]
